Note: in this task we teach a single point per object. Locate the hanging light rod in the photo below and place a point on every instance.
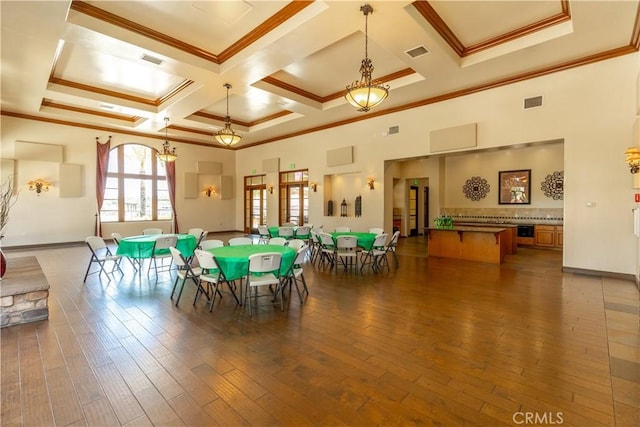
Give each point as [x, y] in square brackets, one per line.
[227, 136]
[364, 94]
[167, 154]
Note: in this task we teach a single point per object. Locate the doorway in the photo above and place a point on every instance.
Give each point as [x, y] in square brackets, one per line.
[413, 210]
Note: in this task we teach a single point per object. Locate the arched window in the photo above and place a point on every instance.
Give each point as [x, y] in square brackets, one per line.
[136, 186]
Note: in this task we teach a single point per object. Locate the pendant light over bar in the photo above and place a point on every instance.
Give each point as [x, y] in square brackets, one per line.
[168, 154]
[227, 136]
[366, 93]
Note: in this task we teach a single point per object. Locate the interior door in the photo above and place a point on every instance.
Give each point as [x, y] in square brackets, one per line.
[256, 203]
[413, 211]
[426, 207]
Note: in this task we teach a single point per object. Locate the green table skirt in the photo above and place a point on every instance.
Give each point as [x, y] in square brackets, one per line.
[234, 260]
[365, 240]
[142, 246]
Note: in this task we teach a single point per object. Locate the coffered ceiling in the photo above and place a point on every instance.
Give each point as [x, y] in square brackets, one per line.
[123, 66]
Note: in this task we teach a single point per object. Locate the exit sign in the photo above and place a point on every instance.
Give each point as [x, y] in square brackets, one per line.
[292, 166]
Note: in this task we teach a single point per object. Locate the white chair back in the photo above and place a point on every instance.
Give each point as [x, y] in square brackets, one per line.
[206, 260]
[326, 239]
[280, 241]
[376, 230]
[151, 231]
[116, 237]
[196, 232]
[165, 242]
[296, 244]
[268, 262]
[235, 241]
[95, 243]
[286, 232]
[178, 259]
[343, 229]
[347, 243]
[380, 241]
[210, 244]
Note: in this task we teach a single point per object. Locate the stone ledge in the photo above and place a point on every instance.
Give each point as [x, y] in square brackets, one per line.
[24, 293]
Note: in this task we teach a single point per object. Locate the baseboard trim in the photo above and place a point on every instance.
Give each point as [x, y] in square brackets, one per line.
[612, 275]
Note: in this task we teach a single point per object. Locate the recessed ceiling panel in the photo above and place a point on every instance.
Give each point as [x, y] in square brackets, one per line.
[476, 21]
[106, 71]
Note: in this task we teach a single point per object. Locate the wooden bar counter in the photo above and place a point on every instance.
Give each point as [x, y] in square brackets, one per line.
[486, 244]
[512, 236]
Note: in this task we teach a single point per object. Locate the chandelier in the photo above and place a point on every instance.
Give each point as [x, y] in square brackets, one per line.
[168, 154]
[227, 136]
[633, 159]
[366, 93]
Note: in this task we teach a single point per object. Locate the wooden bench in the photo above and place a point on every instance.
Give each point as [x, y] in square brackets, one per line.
[24, 292]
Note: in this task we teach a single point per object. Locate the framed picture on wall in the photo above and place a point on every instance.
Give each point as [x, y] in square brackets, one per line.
[514, 187]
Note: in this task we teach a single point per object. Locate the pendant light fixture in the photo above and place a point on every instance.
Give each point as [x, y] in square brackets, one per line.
[366, 93]
[227, 136]
[168, 154]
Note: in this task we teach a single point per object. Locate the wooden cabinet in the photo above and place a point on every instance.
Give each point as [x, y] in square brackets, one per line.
[549, 236]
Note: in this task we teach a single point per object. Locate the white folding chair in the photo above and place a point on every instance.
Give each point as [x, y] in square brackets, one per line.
[210, 244]
[161, 252]
[296, 272]
[200, 235]
[263, 231]
[184, 272]
[327, 249]
[152, 231]
[342, 229]
[264, 270]
[213, 275]
[101, 254]
[347, 251]
[280, 241]
[377, 255]
[376, 230]
[286, 232]
[303, 233]
[235, 241]
[392, 245]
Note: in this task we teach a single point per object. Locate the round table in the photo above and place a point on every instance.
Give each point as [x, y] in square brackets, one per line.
[365, 240]
[234, 260]
[142, 246]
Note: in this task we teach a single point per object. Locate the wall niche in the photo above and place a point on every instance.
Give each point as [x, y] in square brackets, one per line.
[343, 186]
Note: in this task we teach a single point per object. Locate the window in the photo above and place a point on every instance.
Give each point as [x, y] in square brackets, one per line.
[255, 202]
[294, 197]
[136, 187]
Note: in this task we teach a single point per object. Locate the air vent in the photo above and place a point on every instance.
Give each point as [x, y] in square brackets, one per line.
[417, 51]
[151, 59]
[106, 106]
[393, 130]
[533, 102]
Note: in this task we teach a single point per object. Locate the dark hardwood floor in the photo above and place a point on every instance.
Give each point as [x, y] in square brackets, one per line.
[434, 342]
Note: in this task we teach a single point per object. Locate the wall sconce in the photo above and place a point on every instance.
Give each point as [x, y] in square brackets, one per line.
[314, 186]
[370, 182]
[39, 185]
[270, 188]
[210, 190]
[633, 159]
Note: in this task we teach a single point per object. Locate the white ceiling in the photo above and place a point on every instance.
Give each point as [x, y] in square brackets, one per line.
[288, 62]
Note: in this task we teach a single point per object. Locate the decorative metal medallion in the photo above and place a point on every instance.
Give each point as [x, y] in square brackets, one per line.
[553, 185]
[476, 188]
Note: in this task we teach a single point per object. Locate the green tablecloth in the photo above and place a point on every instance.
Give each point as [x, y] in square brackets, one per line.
[142, 246]
[273, 231]
[365, 240]
[234, 260]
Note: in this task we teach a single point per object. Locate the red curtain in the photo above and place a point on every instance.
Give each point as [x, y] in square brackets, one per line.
[170, 167]
[102, 165]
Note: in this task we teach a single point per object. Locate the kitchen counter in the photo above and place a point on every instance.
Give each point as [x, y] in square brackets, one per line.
[474, 243]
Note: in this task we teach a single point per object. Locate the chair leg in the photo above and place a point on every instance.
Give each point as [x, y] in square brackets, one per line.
[181, 289]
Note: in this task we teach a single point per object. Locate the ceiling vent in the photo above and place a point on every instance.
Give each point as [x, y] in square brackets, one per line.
[417, 51]
[393, 130]
[152, 59]
[533, 102]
